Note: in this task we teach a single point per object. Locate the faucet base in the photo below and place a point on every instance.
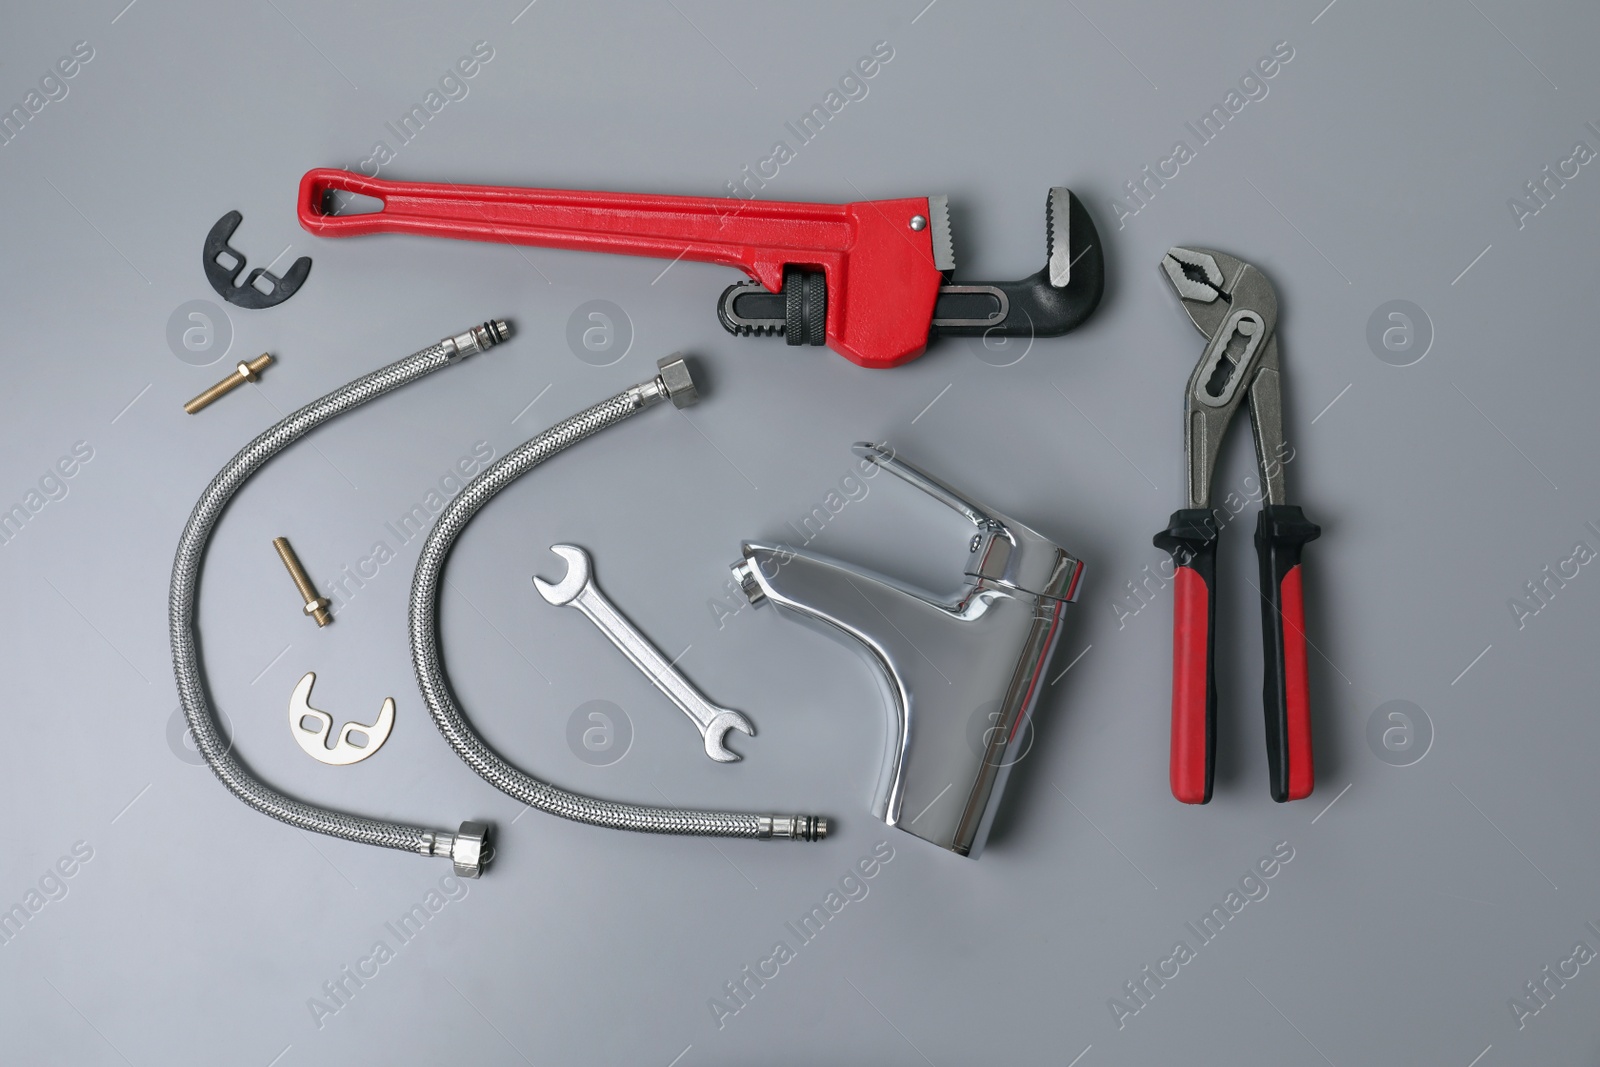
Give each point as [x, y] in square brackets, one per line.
[960, 673]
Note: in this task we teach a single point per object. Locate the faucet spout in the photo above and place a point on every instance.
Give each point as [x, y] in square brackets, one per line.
[960, 674]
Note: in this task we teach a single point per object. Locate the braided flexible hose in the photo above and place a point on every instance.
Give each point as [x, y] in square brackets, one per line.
[435, 684]
[463, 846]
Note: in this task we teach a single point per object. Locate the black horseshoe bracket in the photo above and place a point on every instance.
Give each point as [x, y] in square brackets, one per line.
[225, 280]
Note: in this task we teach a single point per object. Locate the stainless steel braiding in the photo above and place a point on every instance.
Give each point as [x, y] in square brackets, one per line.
[673, 383]
[467, 847]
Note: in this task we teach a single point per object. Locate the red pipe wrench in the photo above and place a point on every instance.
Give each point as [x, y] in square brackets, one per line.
[869, 278]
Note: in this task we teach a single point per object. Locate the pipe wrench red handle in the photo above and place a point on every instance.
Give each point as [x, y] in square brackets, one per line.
[878, 257]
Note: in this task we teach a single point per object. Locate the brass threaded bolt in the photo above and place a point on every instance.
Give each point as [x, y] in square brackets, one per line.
[316, 606]
[244, 372]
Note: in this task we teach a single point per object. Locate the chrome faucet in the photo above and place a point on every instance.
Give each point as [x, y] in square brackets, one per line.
[961, 673]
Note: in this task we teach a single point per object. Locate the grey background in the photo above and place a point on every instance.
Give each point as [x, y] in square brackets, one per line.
[1420, 898]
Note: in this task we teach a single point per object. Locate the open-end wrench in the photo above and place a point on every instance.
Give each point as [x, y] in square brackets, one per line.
[578, 590]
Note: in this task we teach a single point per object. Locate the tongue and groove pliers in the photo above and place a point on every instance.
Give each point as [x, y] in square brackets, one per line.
[1234, 306]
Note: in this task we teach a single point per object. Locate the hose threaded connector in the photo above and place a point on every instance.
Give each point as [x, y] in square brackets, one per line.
[793, 827]
[479, 338]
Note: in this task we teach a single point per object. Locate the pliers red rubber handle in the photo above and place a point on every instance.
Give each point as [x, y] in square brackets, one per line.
[1234, 305]
[879, 257]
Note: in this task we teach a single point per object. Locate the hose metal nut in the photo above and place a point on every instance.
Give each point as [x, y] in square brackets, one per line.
[470, 850]
[672, 382]
[675, 379]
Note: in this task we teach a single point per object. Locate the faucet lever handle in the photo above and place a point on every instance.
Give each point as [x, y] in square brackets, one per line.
[883, 456]
[1004, 550]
